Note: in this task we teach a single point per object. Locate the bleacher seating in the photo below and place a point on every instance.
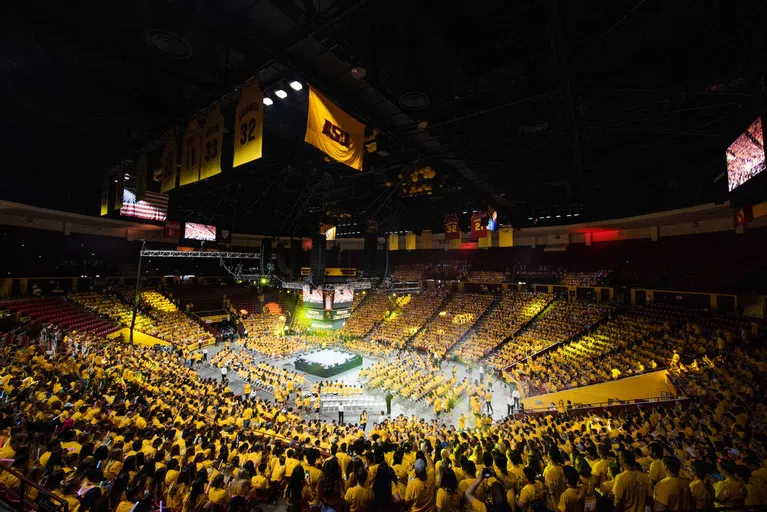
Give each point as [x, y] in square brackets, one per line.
[408, 316]
[373, 310]
[64, 314]
[458, 316]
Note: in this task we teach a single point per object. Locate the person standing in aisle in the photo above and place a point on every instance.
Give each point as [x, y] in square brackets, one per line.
[488, 401]
[516, 396]
[389, 397]
[340, 413]
[364, 420]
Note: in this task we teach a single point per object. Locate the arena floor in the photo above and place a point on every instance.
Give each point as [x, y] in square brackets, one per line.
[500, 391]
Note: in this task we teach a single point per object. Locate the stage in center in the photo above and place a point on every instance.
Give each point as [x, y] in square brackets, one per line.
[327, 363]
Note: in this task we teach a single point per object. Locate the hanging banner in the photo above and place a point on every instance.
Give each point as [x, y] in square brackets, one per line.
[212, 140]
[169, 163]
[334, 132]
[393, 242]
[329, 230]
[190, 154]
[485, 242]
[141, 168]
[426, 239]
[172, 229]
[105, 194]
[119, 186]
[506, 237]
[249, 126]
[410, 241]
[451, 227]
[478, 228]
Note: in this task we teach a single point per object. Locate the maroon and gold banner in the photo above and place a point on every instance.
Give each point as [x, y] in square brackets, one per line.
[478, 228]
[452, 232]
[334, 132]
[212, 140]
[169, 163]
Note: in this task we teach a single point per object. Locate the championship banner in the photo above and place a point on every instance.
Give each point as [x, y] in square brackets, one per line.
[393, 242]
[451, 227]
[249, 124]
[506, 237]
[105, 194]
[119, 187]
[485, 242]
[478, 228]
[141, 169]
[190, 154]
[410, 241]
[334, 132]
[212, 140]
[169, 163]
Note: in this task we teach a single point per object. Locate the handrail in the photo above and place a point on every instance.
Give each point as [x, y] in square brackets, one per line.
[58, 502]
[657, 400]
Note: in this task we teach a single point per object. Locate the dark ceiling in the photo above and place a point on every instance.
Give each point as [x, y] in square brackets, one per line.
[608, 108]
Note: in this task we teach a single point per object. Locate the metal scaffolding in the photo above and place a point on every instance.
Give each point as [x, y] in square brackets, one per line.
[200, 254]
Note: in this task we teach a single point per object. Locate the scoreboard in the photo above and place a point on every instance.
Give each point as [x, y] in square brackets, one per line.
[328, 309]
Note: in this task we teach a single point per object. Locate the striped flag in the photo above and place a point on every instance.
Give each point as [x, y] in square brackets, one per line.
[154, 206]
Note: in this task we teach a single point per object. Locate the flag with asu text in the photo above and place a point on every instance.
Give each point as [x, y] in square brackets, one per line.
[334, 132]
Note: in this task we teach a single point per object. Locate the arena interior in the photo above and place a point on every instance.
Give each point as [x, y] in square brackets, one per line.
[373, 256]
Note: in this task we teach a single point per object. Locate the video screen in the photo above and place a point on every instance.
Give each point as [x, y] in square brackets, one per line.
[204, 232]
[343, 296]
[312, 296]
[745, 156]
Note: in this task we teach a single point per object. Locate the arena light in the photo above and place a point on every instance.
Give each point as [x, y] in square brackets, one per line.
[296, 86]
[268, 101]
[576, 214]
[263, 280]
[281, 94]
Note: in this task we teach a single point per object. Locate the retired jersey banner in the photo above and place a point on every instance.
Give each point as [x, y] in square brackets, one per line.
[212, 140]
[410, 241]
[169, 163]
[141, 170]
[394, 242]
[485, 242]
[334, 132]
[190, 154]
[451, 227]
[506, 237]
[478, 228]
[249, 126]
[119, 187]
[105, 195]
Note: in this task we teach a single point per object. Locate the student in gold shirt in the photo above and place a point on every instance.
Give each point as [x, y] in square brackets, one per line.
[632, 488]
[359, 497]
[673, 492]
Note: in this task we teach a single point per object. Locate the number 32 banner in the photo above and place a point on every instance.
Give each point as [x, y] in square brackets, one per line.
[249, 126]
[212, 139]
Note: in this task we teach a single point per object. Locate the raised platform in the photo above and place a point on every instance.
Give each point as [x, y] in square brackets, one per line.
[327, 363]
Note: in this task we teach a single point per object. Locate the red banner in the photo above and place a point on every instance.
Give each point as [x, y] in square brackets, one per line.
[452, 231]
[173, 229]
[478, 227]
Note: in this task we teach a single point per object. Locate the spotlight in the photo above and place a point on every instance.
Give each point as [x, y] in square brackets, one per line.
[422, 124]
[569, 214]
[281, 94]
[264, 280]
[558, 216]
[529, 218]
[576, 214]
[296, 86]
[548, 216]
[358, 72]
[268, 101]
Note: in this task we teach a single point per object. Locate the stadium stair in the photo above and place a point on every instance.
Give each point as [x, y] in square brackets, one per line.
[409, 341]
[480, 320]
[521, 329]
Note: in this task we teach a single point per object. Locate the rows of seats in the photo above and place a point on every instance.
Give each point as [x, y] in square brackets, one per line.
[118, 311]
[63, 314]
[560, 322]
[364, 318]
[511, 312]
[584, 278]
[199, 297]
[487, 277]
[409, 315]
[460, 313]
[409, 272]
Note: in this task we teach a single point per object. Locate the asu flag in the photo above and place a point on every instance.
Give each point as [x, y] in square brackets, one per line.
[212, 140]
[451, 227]
[249, 126]
[334, 132]
[105, 195]
[169, 163]
[190, 155]
[141, 168]
[478, 228]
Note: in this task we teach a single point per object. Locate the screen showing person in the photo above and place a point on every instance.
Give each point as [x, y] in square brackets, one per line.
[745, 156]
[312, 296]
[343, 296]
[204, 232]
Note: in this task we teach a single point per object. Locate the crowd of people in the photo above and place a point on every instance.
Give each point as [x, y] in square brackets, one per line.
[487, 277]
[510, 314]
[374, 309]
[561, 321]
[458, 316]
[409, 272]
[584, 278]
[127, 428]
[409, 315]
